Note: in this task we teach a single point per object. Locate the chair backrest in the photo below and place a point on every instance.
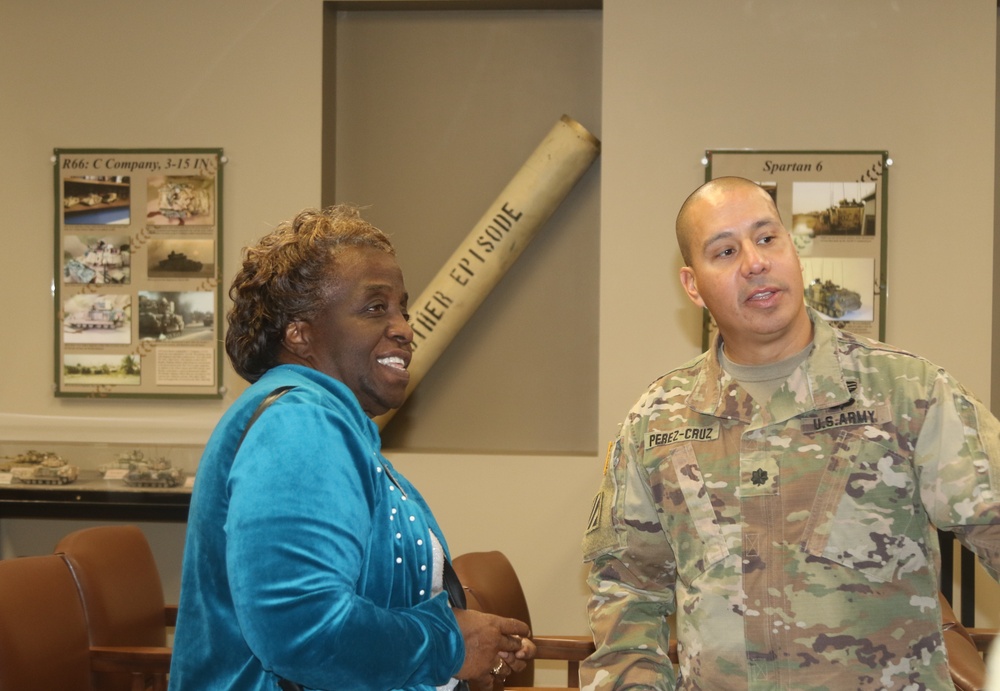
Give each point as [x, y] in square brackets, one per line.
[121, 590]
[492, 586]
[43, 630]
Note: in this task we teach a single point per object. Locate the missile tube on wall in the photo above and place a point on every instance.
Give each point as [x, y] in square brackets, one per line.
[495, 243]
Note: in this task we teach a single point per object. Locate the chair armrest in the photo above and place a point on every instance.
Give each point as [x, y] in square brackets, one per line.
[580, 647]
[563, 647]
[983, 638]
[132, 659]
[170, 615]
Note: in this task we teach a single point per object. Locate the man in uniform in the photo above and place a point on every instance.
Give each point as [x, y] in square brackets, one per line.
[780, 492]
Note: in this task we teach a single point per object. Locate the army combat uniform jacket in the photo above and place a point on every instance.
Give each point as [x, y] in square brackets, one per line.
[795, 541]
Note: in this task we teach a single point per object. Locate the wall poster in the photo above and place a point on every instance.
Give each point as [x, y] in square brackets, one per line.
[138, 242]
[834, 205]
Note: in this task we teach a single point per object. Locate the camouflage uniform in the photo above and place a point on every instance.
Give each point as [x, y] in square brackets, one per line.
[796, 541]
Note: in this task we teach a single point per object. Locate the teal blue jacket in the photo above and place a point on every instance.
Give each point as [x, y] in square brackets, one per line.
[307, 555]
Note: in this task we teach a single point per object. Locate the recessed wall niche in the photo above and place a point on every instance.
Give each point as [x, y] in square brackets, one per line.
[428, 114]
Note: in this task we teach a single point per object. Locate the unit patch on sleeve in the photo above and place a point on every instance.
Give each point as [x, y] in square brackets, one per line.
[595, 513]
[686, 433]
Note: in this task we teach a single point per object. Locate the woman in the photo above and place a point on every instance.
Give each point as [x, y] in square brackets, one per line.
[308, 557]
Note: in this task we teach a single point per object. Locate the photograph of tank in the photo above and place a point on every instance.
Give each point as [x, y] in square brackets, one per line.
[96, 259]
[821, 209]
[96, 200]
[840, 288]
[180, 200]
[92, 318]
[94, 369]
[180, 258]
[176, 316]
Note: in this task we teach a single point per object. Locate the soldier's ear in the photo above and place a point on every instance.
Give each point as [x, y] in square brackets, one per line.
[690, 284]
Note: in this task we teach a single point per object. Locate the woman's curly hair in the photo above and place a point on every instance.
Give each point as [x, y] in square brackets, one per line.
[286, 277]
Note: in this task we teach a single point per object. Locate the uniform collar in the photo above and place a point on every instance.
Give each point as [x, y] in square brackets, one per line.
[817, 383]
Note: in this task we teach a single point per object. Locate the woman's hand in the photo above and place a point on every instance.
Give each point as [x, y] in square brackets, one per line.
[508, 664]
[489, 641]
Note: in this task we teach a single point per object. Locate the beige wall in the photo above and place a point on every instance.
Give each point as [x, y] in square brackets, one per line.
[239, 75]
[916, 78]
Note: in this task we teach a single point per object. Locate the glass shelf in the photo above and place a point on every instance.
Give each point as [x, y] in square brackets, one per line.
[96, 481]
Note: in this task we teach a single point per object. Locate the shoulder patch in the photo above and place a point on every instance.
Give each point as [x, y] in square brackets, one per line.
[595, 513]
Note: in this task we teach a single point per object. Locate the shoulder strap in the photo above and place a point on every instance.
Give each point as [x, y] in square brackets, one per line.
[453, 586]
[268, 400]
[283, 684]
[456, 596]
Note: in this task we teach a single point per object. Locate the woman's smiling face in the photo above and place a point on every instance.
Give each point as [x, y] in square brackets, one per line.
[362, 335]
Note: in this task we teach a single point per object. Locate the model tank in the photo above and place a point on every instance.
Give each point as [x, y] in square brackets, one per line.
[51, 471]
[178, 261]
[831, 299]
[27, 459]
[32, 457]
[156, 472]
[124, 461]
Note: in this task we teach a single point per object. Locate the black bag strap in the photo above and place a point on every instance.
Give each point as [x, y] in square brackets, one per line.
[268, 400]
[456, 596]
[453, 586]
[283, 684]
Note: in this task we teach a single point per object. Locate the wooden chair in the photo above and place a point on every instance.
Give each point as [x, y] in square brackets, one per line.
[119, 585]
[984, 639]
[492, 586]
[965, 662]
[43, 632]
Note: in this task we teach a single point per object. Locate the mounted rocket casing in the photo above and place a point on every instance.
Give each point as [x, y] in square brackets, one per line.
[495, 243]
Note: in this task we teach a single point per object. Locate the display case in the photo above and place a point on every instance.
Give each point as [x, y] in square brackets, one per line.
[96, 481]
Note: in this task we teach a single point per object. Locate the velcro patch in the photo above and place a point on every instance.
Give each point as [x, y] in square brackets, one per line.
[595, 513]
[690, 433]
[846, 418]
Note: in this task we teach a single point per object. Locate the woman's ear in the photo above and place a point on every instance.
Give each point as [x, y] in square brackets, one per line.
[296, 340]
